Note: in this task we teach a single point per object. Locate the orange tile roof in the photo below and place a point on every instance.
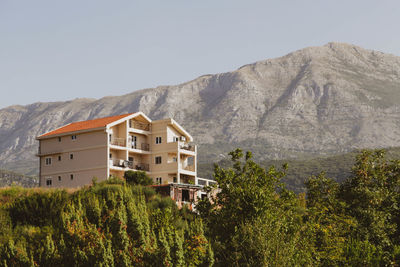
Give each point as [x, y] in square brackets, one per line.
[85, 125]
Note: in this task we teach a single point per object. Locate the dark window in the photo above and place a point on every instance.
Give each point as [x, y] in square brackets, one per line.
[175, 180]
[73, 137]
[158, 140]
[71, 156]
[110, 156]
[59, 139]
[159, 180]
[48, 161]
[158, 160]
[48, 182]
[59, 178]
[59, 158]
[185, 195]
[72, 177]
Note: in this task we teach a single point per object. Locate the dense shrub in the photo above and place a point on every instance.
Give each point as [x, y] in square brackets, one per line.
[137, 178]
[107, 224]
[38, 209]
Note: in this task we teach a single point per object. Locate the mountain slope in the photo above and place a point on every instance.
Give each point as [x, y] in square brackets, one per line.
[315, 101]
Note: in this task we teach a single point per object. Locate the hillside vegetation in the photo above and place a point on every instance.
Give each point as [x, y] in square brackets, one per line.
[252, 220]
[337, 167]
[108, 224]
[8, 178]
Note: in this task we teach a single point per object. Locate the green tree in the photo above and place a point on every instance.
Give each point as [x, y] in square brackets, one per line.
[371, 195]
[327, 216]
[253, 220]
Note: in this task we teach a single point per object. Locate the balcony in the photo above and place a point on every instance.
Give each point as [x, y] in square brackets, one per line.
[143, 146]
[121, 163]
[118, 142]
[190, 168]
[142, 167]
[187, 147]
[205, 181]
[139, 125]
[126, 164]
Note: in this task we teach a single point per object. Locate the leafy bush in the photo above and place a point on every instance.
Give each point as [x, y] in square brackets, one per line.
[137, 178]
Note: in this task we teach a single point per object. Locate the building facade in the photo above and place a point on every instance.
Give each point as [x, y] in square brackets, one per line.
[71, 156]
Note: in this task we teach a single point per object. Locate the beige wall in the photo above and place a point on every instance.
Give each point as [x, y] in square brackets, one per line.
[119, 130]
[80, 178]
[82, 159]
[83, 140]
[89, 152]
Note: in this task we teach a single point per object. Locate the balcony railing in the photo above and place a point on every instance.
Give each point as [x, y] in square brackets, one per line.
[142, 167]
[143, 146]
[189, 168]
[118, 142]
[188, 147]
[121, 163]
[205, 182]
[139, 125]
[129, 164]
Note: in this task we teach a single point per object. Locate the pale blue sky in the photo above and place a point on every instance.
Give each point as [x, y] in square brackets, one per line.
[61, 50]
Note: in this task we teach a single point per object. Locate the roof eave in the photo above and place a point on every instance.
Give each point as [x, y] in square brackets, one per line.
[128, 117]
[180, 128]
[42, 137]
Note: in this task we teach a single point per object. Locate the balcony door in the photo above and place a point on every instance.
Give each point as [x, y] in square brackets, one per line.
[134, 141]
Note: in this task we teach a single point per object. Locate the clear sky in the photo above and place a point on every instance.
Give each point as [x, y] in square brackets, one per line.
[61, 50]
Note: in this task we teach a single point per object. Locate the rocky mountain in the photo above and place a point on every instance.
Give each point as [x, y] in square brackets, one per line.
[315, 101]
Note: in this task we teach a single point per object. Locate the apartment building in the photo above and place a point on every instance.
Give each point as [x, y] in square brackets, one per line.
[74, 154]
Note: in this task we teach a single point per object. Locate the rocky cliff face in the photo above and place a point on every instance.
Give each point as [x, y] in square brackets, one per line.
[318, 100]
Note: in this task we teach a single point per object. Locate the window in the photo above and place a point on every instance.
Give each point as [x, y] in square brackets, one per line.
[158, 180]
[59, 139]
[73, 137]
[48, 182]
[71, 156]
[110, 138]
[175, 180]
[72, 177]
[174, 159]
[59, 158]
[110, 156]
[158, 160]
[59, 178]
[48, 161]
[158, 140]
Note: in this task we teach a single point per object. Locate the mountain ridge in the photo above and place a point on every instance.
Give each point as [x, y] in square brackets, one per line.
[314, 101]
